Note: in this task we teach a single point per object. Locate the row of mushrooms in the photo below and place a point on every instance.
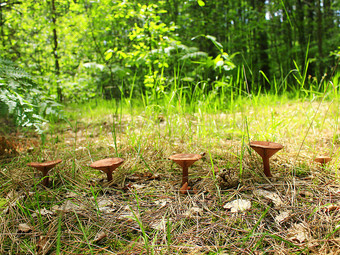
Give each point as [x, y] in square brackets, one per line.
[265, 149]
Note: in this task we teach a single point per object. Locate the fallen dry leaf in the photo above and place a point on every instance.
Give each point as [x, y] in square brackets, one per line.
[162, 202]
[193, 211]
[24, 228]
[126, 213]
[106, 210]
[106, 205]
[42, 212]
[298, 233]
[67, 206]
[238, 205]
[269, 195]
[104, 202]
[71, 194]
[12, 195]
[282, 217]
[138, 186]
[99, 236]
[160, 224]
[42, 244]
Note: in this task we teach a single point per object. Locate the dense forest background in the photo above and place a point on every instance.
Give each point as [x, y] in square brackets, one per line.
[81, 49]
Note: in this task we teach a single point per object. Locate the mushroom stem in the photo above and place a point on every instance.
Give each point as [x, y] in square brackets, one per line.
[266, 166]
[185, 177]
[109, 174]
[46, 180]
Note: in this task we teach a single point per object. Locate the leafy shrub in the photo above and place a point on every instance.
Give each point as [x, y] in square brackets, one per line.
[22, 99]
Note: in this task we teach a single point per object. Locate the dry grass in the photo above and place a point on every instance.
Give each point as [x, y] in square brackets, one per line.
[143, 212]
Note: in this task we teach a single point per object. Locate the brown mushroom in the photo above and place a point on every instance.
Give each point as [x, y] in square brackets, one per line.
[44, 168]
[107, 165]
[323, 160]
[185, 160]
[266, 150]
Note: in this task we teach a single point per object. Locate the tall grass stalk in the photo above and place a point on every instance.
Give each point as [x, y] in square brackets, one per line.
[256, 225]
[168, 233]
[214, 178]
[140, 224]
[84, 233]
[95, 195]
[114, 137]
[58, 244]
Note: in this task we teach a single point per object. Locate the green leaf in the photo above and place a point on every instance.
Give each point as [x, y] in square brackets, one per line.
[201, 3]
[108, 54]
[213, 39]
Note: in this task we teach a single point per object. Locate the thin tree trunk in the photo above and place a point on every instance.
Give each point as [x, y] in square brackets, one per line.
[263, 43]
[2, 23]
[330, 24]
[310, 31]
[115, 90]
[55, 50]
[287, 35]
[301, 32]
[319, 36]
[174, 9]
[328, 17]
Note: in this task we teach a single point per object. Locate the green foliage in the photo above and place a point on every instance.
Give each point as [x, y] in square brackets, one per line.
[146, 48]
[3, 202]
[336, 53]
[22, 99]
[159, 58]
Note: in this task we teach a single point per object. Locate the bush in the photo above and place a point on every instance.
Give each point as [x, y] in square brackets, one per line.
[22, 100]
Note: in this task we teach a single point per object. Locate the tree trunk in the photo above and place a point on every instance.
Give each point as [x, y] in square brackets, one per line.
[310, 30]
[319, 37]
[330, 24]
[2, 23]
[174, 9]
[287, 36]
[301, 32]
[55, 50]
[261, 39]
[328, 17]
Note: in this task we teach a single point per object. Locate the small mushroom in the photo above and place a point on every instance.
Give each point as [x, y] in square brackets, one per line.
[185, 160]
[44, 168]
[266, 150]
[323, 160]
[107, 165]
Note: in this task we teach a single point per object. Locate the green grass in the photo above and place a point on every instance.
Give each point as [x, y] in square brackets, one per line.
[145, 132]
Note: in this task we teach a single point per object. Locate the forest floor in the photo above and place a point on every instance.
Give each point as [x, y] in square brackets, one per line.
[230, 208]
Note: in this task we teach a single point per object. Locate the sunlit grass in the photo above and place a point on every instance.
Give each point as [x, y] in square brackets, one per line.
[145, 135]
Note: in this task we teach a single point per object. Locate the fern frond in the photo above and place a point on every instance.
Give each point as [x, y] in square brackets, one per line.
[198, 54]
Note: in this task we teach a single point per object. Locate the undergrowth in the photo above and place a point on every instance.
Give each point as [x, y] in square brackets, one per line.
[142, 210]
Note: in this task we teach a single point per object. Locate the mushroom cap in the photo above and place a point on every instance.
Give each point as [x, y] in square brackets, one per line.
[322, 159]
[265, 149]
[45, 166]
[107, 164]
[185, 160]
